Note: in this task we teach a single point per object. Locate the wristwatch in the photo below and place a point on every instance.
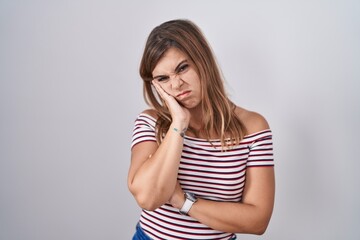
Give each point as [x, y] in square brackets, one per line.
[190, 199]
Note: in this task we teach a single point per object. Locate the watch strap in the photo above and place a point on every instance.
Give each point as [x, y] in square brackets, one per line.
[189, 201]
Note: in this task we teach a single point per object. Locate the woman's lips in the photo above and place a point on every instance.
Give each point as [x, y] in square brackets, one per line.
[183, 94]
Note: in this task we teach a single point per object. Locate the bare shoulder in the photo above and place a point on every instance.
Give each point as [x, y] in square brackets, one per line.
[151, 113]
[253, 121]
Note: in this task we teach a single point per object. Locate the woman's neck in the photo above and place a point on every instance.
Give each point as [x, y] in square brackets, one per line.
[197, 126]
[196, 118]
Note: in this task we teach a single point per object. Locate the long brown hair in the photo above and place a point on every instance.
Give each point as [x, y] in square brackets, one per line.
[219, 111]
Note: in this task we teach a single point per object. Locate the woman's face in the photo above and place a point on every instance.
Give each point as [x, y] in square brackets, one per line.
[177, 76]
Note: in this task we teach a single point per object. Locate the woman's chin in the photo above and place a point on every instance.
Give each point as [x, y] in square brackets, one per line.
[190, 104]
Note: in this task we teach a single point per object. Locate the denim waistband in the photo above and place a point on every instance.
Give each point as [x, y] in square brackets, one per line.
[140, 234]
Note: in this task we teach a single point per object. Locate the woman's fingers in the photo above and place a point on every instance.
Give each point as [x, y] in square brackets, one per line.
[163, 94]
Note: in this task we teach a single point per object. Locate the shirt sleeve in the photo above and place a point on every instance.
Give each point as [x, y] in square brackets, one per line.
[144, 129]
[261, 150]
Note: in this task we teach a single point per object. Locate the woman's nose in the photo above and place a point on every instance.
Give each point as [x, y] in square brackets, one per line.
[176, 82]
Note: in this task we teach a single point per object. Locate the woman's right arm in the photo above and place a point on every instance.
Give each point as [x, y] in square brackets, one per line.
[154, 168]
[153, 171]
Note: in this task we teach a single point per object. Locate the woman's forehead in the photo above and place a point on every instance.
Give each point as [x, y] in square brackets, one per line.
[169, 61]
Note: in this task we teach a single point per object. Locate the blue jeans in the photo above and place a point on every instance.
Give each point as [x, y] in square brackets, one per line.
[140, 234]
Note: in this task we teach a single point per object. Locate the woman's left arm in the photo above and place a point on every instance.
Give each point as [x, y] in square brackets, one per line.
[251, 215]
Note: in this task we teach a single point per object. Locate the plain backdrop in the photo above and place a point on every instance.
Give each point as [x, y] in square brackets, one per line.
[70, 92]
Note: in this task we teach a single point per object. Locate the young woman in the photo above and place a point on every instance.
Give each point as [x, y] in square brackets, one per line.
[201, 167]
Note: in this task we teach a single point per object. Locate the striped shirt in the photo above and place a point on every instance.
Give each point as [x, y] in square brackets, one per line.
[207, 172]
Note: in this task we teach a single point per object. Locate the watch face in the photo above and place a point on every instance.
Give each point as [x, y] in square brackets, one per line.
[191, 196]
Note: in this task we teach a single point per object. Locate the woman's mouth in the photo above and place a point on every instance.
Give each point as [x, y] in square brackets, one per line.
[183, 94]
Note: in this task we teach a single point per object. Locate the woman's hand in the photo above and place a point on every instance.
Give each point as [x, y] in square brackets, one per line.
[178, 198]
[180, 115]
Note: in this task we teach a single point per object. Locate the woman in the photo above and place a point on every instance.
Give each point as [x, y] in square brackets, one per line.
[201, 167]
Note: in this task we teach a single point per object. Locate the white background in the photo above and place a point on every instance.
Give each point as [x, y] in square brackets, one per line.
[70, 91]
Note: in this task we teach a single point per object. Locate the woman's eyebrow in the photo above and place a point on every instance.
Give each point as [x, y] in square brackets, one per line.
[176, 69]
[179, 65]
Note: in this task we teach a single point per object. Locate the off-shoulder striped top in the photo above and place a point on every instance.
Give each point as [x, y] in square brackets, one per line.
[206, 171]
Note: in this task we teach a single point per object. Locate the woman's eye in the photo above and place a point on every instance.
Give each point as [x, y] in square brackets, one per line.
[183, 67]
[163, 79]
